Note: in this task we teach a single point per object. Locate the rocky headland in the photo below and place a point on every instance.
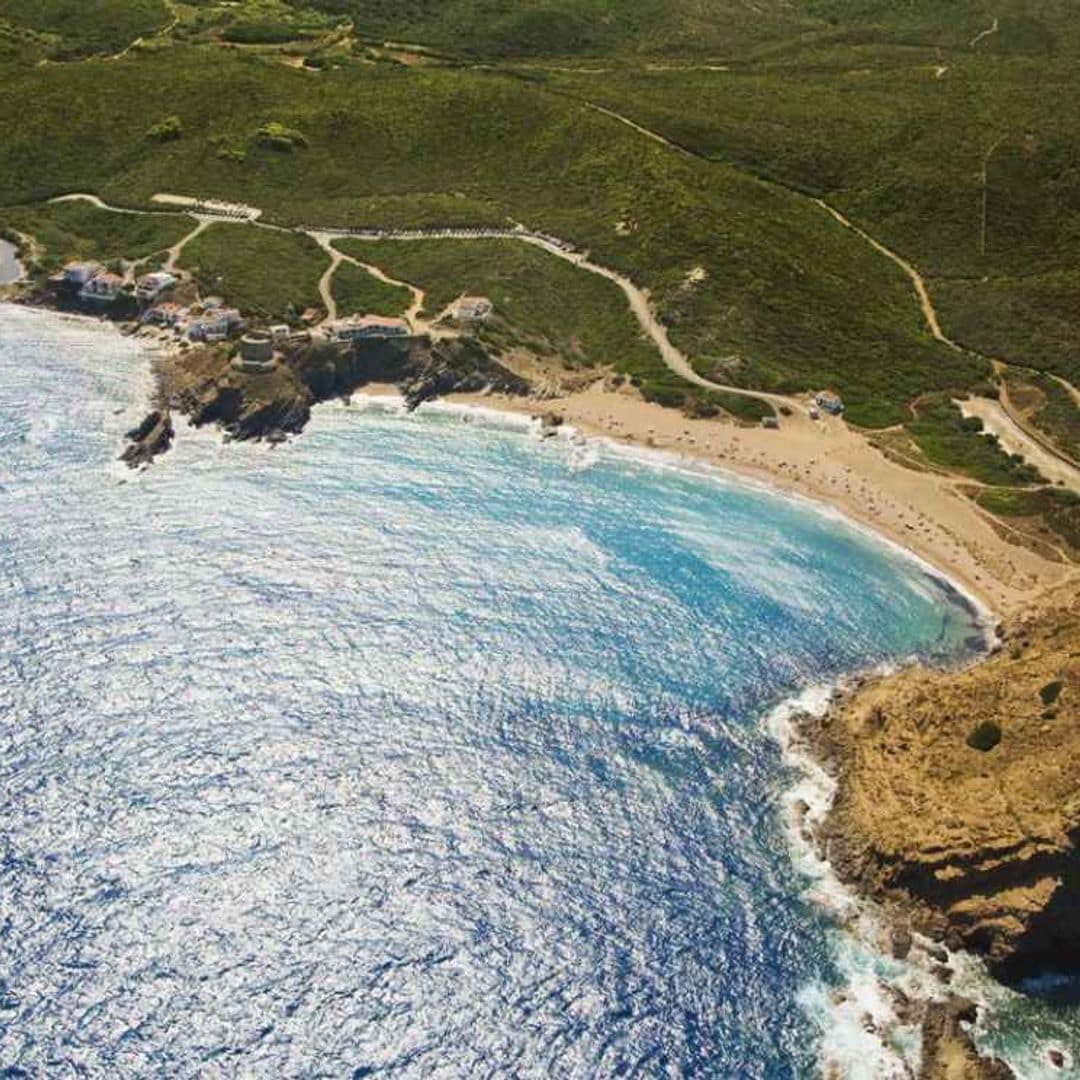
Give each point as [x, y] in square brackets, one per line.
[958, 809]
[203, 384]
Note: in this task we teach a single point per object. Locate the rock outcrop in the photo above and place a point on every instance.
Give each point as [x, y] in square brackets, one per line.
[959, 796]
[202, 384]
[153, 436]
[948, 1050]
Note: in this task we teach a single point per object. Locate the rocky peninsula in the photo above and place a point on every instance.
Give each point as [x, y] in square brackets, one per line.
[958, 808]
[203, 384]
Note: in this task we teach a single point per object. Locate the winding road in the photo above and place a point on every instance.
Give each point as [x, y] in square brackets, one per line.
[637, 298]
[997, 420]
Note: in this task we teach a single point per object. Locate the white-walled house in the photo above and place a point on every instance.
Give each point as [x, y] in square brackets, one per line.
[150, 286]
[472, 308]
[102, 288]
[364, 327]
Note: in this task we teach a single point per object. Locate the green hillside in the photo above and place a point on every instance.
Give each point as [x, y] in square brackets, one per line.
[936, 127]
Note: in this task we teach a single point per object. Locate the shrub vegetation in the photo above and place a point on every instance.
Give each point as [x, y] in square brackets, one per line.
[273, 274]
[950, 439]
[985, 736]
[79, 230]
[357, 292]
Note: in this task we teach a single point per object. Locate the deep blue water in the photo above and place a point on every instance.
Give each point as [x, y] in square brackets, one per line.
[415, 747]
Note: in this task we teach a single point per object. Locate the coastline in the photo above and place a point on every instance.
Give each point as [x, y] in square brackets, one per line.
[915, 1009]
[903, 1014]
[668, 438]
[771, 483]
[829, 464]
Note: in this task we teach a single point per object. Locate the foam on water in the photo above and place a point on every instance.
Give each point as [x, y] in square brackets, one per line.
[421, 744]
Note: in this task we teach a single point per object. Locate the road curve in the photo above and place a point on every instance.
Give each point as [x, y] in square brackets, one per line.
[1015, 439]
[675, 360]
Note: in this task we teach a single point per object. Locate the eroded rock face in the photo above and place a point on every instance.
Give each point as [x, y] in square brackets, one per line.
[202, 383]
[978, 846]
[948, 1051]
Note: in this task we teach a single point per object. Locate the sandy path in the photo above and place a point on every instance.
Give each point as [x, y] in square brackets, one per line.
[95, 201]
[991, 29]
[159, 33]
[921, 291]
[326, 283]
[1017, 441]
[1073, 392]
[639, 128]
[177, 249]
[1026, 431]
[411, 314]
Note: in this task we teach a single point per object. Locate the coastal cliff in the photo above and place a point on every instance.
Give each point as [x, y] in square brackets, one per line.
[203, 384]
[958, 800]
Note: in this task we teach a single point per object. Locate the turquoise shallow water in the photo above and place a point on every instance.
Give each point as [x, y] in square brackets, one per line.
[414, 747]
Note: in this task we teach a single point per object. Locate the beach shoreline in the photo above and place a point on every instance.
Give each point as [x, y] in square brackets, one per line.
[883, 1004]
[830, 464]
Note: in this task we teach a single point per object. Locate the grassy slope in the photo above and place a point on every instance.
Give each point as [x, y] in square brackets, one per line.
[77, 230]
[540, 301]
[273, 274]
[70, 28]
[356, 292]
[803, 300]
[1032, 318]
[1048, 405]
[1059, 510]
[859, 115]
[567, 28]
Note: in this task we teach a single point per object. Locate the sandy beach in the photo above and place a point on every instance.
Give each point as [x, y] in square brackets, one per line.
[827, 461]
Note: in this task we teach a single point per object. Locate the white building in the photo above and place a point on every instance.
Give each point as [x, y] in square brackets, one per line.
[102, 288]
[150, 286]
[79, 273]
[216, 325]
[366, 327]
[472, 308]
[167, 314]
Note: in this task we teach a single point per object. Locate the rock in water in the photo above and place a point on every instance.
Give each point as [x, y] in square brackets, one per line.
[948, 1049]
[900, 940]
[148, 439]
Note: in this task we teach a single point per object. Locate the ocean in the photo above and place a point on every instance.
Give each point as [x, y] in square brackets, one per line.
[417, 746]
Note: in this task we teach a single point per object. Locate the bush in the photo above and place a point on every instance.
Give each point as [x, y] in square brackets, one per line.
[168, 130]
[1051, 692]
[985, 736]
[954, 441]
[261, 33]
[231, 153]
[275, 136]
